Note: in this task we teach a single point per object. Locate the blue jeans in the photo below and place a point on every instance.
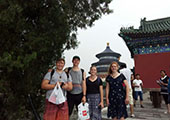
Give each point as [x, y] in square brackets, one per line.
[140, 94]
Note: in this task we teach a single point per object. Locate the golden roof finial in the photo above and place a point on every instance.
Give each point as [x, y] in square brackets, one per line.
[107, 43]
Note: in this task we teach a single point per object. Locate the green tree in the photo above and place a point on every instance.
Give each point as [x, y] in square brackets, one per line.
[33, 34]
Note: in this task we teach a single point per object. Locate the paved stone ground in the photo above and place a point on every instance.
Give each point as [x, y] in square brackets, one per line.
[147, 113]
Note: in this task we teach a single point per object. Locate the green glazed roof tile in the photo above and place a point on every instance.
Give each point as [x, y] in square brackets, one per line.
[157, 25]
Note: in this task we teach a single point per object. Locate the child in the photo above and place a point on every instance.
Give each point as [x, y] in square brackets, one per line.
[137, 84]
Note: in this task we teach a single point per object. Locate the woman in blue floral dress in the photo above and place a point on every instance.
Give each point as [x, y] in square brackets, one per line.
[117, 92]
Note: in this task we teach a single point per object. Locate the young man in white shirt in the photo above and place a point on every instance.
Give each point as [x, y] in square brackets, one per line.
[138, 84]
[127, 73]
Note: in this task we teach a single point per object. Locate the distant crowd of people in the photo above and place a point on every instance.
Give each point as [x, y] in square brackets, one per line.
[122, 88]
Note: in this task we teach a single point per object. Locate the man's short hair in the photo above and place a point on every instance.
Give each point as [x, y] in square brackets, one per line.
[137, 74]
[60, 59]
[123, 66]
[76, 57]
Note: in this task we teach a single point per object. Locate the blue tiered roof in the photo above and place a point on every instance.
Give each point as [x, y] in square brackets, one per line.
[105, 59]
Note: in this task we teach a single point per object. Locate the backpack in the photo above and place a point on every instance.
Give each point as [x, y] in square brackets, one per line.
[82, 71]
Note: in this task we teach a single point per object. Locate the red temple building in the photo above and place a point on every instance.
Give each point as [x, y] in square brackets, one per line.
[150, 47]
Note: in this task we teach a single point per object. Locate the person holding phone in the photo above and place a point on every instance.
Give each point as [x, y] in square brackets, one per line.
[163, 82]
[169, 96]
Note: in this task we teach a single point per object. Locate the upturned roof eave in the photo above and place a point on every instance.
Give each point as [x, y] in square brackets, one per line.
[144, 32]
[109, 54]
[107, 62]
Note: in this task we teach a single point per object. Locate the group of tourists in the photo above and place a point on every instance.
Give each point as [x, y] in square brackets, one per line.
[76, 87]
[121, 89]
[164, 83]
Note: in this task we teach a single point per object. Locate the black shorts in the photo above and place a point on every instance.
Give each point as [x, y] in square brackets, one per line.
[73, 100]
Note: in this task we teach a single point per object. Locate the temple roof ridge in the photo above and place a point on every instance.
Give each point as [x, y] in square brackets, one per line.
[155, 25]
[149, 26]
[156, 20]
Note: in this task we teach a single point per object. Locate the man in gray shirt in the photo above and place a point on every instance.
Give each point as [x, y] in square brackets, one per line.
[75, 96]
[53, 111]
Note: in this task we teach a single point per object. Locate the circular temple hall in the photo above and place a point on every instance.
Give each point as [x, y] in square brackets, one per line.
[105, 59]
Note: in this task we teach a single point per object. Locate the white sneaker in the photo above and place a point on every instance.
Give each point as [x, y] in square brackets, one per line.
[165, 112]
[128, 106]
[132, 115]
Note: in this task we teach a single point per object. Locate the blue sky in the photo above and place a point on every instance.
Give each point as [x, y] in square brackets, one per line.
[126, 13]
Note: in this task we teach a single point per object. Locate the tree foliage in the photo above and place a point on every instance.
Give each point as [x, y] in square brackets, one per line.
[33, 34]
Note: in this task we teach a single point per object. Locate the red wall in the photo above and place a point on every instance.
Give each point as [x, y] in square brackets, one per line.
[149, 66]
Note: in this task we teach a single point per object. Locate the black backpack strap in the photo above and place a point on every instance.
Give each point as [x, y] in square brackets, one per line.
[69, 68]
[82, 71]
[51, 74]
[67, 73]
